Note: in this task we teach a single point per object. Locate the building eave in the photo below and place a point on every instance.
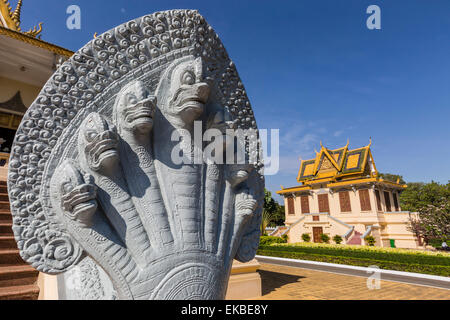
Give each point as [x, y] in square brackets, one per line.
[294, 189]
[377, 181]
[351, 182]
[36, 42]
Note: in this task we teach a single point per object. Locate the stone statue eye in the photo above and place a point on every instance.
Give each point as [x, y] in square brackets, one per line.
[90, 135]
[132, 100]
[67, 187]
[188, 78]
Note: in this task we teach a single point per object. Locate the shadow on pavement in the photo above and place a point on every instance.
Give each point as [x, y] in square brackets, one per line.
[273, 280]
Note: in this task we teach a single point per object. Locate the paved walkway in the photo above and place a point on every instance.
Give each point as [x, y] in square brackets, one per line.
[290, 283]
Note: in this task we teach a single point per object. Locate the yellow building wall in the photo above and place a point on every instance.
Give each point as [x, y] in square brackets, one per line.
[393, 225]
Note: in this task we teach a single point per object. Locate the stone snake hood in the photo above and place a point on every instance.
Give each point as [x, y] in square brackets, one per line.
[91, 172]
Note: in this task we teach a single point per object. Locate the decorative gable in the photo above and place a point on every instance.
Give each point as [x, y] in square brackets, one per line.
[333, 164]
[327, 166]
[339, 155]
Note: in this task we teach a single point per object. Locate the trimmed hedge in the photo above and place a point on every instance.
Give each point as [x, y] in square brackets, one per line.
[436, 243]
[367, 253]
[389, 265]
[267, 240]
[413, 261]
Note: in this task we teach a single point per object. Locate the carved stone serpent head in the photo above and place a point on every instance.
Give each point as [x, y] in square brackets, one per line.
[80, 187]
[135, 109]
[98, 143]
[77, 197]
[183, 92]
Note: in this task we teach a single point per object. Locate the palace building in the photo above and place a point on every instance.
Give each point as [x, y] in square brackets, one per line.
[341, 193]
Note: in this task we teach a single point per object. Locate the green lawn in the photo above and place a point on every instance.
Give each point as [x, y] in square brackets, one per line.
[437, 263]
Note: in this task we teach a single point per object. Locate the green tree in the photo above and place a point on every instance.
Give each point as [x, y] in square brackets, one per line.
[432, 202]
[275, 210]
[370, 240]
[419, 195]
[306, 237]
[338, 239]
[325, 238]
[279, 216]
[269, 203]
[433, 223]
[265, 221]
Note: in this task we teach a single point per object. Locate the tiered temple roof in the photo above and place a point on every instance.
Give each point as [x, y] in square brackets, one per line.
[337, 168]
[337, 164]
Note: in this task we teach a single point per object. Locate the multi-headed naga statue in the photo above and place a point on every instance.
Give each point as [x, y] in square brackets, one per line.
[92, 173]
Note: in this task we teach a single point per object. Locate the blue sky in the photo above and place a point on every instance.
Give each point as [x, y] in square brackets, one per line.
[313, 70]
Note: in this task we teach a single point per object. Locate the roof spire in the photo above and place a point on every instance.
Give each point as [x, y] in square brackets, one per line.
[11, 19]
[370, 142]
[16, 14]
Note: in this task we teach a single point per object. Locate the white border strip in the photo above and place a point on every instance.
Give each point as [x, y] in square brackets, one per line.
[387, 275]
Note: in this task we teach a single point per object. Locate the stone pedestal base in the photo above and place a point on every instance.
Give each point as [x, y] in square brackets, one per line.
[245, 282]
[48, 287]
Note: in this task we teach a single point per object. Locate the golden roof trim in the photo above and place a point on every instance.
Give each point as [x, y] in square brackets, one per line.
[319, 180]
[36, 42]
[365, 180]
[378, 181]
[381, 180]
[12, 18]
[351, 182]
[294, 189]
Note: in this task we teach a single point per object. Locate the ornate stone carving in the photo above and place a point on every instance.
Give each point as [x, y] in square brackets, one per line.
[91, 170]
[85, 281]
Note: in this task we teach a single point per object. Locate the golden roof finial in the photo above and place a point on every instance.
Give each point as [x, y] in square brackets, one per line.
[11, 19]
[370, 142]
[16, 14]
[348, 143]
[34, 32]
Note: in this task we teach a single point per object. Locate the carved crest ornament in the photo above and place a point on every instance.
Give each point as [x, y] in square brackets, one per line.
[91, 174]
